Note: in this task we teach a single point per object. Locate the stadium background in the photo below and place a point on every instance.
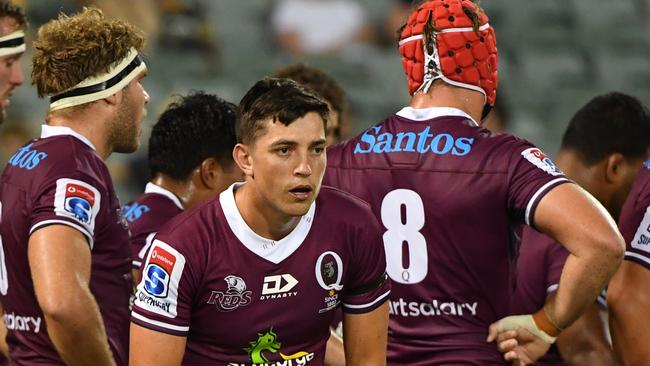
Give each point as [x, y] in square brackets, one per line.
[554, 55]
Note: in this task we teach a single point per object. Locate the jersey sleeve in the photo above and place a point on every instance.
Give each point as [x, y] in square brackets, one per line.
[532, 176]
[72, 200]
[368, 285]
[637, 246]
[139, 245]
[163, 300]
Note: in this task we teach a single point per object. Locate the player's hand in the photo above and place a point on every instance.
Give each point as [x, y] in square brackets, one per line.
[519, 339]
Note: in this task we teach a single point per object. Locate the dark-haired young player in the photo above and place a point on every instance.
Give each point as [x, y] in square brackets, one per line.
[602, 150]
[255, 276]
[448, 193]
[190, 160]
[65, 265]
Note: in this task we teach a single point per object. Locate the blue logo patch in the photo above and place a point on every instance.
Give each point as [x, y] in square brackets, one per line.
[422, 142]
[156, 280]
[27, 159]
[135, 211]
[79, 207]
[646, 164]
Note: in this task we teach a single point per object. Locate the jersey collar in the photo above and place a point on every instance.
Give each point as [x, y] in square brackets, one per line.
[272, 250]
[424, 114]
[50, 131]
[154, 188]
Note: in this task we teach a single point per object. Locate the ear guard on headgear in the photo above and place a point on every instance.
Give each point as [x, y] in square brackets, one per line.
[441, 41]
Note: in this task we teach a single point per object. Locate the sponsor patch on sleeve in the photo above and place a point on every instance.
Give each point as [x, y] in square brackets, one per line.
[78, 200]
[641, 239]
[540, 160]
[158, 290]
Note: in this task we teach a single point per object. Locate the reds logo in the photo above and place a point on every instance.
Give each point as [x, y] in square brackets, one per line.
[235, 296]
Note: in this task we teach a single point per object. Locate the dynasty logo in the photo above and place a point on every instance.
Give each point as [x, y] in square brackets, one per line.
[235, 296]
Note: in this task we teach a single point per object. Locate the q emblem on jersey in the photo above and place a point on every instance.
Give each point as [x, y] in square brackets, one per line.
[78, 200]
[540, 160]
[329, 271]
[158, 290]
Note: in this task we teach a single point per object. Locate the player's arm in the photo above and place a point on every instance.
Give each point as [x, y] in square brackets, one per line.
[578, 221]
[149, 347]
[581, 224]
[59, 260]
[584, 343]
[334, 351]
[628, 300]
[365, 337]
[4, 347]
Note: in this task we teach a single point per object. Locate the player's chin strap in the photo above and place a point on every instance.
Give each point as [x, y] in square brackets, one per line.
[99, 87]
[12, 44]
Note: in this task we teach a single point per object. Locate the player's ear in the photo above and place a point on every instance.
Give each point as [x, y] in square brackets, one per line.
[241, 155]
[113, 99]
[209, 172]
[615, 168]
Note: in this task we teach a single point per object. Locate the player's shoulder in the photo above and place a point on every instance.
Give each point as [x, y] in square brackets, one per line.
[150, 210]
[342, 205]
[194, 224]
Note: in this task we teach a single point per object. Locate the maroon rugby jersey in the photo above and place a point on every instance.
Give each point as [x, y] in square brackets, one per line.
[146, 215]
[447, 193]
[539, 267]
[60, 180]
[242, 299]
[634, 221]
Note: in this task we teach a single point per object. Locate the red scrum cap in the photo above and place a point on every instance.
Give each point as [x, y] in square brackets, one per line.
[450, 40]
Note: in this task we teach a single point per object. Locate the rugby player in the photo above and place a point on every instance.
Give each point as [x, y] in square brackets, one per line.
[12, 47]
[602, 150]
[255, 276]
[448, 193]
[628, 297]
[334, 95]
[190, 160]
[60, 218]
[328, 89]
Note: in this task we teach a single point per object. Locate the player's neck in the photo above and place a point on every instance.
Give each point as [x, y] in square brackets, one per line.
[572, 165]
[261, 217]
[181, 189]
[444, 95]
[94, 131]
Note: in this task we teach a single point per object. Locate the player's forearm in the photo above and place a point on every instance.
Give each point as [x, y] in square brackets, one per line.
[334, 352]
[77, 331]
[583, 278]
[627, 303]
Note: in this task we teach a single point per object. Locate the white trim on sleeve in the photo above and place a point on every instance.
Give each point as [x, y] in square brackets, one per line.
[157, 323]
[83, 231]
[536, 196]
[370, 304]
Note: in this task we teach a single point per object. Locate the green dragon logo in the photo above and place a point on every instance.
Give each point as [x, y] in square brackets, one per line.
[268, 341]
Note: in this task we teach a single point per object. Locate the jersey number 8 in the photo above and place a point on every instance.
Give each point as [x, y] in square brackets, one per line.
[404, 233]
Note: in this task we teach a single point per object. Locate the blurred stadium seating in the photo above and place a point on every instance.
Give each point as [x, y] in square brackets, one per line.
[554, 56]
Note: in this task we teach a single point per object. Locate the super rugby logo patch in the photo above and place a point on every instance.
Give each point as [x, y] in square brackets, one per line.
[540, 160]
[158, 290]
[78, 200]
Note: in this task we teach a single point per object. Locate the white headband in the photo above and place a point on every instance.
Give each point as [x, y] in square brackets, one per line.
[12, 44]
[99, 87]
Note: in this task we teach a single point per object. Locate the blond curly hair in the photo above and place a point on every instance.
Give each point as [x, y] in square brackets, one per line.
[71, 48]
